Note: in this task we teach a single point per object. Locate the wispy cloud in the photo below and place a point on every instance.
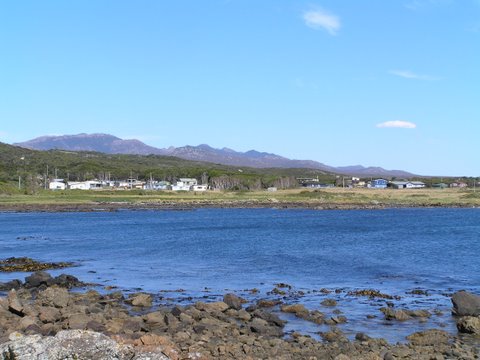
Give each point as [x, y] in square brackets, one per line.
[407, 74]
[397, 124]
[321, 19]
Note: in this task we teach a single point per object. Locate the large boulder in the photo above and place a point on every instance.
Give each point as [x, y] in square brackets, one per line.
[469, 325]
[38, 278]
[466, 304]
[54, 296]
[74, 344]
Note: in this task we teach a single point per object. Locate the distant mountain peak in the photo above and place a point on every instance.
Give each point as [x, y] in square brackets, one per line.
[110, 144]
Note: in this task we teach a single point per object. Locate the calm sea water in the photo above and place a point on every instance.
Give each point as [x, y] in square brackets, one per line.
[206, 252]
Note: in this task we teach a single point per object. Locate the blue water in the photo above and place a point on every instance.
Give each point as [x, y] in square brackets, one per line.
[208, 251]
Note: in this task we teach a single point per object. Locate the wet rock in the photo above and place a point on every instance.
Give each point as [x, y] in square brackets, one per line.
[140, 300]
[67, 281]
[391, 314]
[429, 337]
[262, 327]
[297, 309]
[334, 335]
[419, 313]
[469, 325]
[265, 303]
[269, 318]
[14, 264]
[362, 337]
[37, 279]
[10, 285]
[339, 319]
[372, 294]
[466, 304]
[233, 301]
[329, 302]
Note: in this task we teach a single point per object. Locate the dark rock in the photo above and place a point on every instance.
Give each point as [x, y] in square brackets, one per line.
[329, 302]
[466, 304]
[362, 337]
[67, 281]
[13, 284]
[265, 303]
[14, 264]
[177, 311]
[233, 301]
[262, 327]
[37, 279]
[269, 317]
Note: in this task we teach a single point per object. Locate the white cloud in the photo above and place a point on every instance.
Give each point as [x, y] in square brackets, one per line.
[407, 74]
[321, 19]
[397, 124]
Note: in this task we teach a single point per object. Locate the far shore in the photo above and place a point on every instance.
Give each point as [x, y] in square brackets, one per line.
[320, 199]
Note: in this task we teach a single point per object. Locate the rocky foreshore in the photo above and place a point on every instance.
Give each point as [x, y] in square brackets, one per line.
[224, 204]
[41, 318]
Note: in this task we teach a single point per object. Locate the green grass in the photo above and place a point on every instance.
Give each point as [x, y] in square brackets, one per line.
[353, 197]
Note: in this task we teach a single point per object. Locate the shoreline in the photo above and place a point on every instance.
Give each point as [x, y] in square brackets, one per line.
[225, 328]
[185, 206]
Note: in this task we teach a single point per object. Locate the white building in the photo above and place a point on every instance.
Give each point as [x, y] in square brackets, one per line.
[184, 184]
[57, 184]
[407, 184]
[200, 187]
[84, 185]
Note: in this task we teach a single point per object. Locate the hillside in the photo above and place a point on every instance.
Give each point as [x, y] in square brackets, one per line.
[113, 145]
[33, 165]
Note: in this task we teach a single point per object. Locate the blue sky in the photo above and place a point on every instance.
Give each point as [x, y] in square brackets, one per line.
[379, 83]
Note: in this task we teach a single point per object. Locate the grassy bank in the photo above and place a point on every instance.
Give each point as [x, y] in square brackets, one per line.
[296, 197]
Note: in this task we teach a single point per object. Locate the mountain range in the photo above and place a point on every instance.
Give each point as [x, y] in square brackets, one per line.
[110, 144]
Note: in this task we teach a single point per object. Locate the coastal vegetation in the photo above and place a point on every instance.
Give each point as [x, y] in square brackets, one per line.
[291, 198]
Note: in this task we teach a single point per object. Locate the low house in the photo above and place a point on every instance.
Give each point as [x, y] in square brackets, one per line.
[157, 185]
[184, 184]
[407, 184]
[458, 184]
[57, 184]
[379, 184]
[316, 185]
[200, 187]
[84, 185]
